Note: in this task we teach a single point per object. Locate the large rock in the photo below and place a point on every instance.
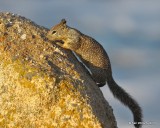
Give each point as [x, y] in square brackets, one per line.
[43, 85]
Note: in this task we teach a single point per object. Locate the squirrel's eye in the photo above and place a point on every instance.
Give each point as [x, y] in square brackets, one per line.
[53, 32]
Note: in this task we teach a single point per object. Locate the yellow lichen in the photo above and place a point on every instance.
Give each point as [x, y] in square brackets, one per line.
[73, 109]
[28, 103]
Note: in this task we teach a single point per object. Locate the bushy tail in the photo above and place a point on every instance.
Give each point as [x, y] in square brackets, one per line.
[127, 100]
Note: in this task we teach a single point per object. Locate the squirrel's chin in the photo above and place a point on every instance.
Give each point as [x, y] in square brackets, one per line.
[58, 42]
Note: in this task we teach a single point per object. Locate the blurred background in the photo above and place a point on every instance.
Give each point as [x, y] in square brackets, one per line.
[129, 30]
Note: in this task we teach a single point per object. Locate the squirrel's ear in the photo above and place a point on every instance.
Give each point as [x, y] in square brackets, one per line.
[63, 21]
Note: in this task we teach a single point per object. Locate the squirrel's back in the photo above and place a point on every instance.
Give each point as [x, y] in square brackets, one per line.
[95, 58]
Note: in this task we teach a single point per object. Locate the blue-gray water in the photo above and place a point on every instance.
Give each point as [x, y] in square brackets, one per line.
[129, 31]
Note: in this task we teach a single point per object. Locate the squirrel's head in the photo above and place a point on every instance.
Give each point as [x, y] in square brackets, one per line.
[67, 36]
[58, 31]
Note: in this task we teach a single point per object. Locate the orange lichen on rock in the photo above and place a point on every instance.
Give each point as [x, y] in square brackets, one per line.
[37, 102]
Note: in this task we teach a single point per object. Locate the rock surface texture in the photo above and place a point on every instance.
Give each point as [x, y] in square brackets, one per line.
[43, 85]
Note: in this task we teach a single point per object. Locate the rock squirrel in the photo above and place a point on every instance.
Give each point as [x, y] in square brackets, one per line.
[96, 59]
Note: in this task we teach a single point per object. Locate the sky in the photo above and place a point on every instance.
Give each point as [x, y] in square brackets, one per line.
[129, 30]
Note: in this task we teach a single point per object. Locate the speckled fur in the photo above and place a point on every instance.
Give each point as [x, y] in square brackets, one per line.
[96, 59]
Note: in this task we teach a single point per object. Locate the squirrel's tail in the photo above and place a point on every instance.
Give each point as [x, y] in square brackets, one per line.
[127, 100]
